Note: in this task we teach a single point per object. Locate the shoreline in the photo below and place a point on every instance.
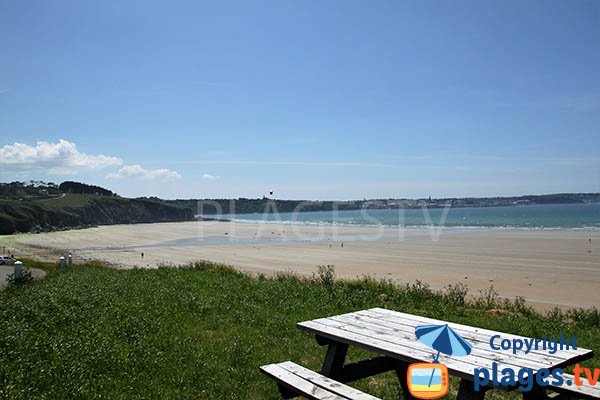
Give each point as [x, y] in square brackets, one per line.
[392, 226]
[548, 267]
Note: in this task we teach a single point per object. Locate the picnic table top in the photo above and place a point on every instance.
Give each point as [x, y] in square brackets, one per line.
[392, 333]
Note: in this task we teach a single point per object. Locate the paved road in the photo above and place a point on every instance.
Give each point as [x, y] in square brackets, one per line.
[6, 270]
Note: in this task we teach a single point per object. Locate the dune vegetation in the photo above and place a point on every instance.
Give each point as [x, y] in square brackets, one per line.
[202, 330]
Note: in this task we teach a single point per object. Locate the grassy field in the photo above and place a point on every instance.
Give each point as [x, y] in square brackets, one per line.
[201, 332]
[67, 200]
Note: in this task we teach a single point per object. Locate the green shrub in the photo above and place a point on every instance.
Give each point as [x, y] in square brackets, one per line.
[456, 293]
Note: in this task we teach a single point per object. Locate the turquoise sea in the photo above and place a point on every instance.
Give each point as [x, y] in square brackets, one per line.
[571, 216]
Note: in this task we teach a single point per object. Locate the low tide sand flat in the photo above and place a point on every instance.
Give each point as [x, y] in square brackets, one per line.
[547, 267]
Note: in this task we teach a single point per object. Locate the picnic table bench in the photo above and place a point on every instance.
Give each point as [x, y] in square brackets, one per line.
[391, 336]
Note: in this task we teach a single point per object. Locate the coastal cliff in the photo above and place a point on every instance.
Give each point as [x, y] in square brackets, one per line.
[23, 209]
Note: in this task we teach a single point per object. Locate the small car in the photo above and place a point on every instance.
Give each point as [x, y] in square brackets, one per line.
[6, 260]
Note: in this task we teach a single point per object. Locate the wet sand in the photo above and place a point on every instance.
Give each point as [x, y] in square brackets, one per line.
[547, 267]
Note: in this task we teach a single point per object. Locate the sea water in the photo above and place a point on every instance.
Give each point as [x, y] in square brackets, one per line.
[547, 216]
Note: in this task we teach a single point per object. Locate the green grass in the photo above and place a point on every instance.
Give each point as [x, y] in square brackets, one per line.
[202, 332]
[68, 200]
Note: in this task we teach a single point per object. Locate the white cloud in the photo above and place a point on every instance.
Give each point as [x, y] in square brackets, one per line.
[58, 158]
[208, 177]
[136, 171]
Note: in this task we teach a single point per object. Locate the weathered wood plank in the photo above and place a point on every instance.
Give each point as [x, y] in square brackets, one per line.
[476, 339]
[586, 391]
[408, 354]
[326, 383]
[474, 332]
[411, 346]
[477, 331]
[480, 348]
[298, 384]
[407, 334]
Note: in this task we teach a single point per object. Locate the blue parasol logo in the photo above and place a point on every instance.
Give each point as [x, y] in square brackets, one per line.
[443, 339]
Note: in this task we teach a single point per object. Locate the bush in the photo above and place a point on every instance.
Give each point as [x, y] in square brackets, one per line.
[325, 275]
[457, 293]
[419, 290]
[488, 298]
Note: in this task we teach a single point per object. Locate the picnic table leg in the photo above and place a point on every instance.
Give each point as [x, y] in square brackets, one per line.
[401, 373]
[536, 393]
[285, 392]
[466, 391]
[334, 360]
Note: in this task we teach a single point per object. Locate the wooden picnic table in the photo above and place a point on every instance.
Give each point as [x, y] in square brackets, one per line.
[391, 335]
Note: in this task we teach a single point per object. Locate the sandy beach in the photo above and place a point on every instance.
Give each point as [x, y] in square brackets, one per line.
[547, 267]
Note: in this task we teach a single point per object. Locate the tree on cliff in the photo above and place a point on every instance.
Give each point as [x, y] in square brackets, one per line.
[82, 188]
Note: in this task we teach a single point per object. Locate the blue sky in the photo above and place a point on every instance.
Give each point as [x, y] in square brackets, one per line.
[313, 99]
